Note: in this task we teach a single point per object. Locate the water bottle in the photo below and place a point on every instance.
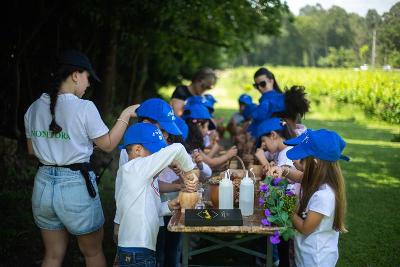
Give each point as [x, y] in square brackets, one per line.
[246, 196]
[225, 193]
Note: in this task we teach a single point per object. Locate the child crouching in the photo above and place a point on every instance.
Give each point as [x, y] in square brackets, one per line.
[137, 196]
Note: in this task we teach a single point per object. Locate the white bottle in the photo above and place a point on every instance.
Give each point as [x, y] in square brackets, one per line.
[225, 193]
[246, 196]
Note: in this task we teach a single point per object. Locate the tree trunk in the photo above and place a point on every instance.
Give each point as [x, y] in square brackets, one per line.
[373, 54]
[143, 79]
[132, 84]
[104, 95]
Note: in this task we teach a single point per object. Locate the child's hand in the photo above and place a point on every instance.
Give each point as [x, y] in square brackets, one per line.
[115, 234]
[176, 170]
[197, 157]
[275, 171]
[174, 204]
[191, 185]
[232, 152]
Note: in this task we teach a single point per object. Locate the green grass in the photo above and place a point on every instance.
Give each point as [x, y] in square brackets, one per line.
[372, 181]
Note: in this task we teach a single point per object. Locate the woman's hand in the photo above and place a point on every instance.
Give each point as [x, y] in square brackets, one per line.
[130, 111]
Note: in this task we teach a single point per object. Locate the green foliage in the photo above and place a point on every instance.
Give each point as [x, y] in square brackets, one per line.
[329, 38]
[279, 205]
[376, 92]
[341, 57]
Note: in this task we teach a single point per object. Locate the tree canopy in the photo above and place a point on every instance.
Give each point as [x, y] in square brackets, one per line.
[135, 46]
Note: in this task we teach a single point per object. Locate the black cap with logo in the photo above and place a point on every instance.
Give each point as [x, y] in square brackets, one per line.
[78, 59]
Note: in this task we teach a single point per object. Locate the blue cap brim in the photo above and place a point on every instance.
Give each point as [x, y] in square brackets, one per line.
[170, 127]
[294, 141]
[154, 147]
[298, 152]
[343, 157]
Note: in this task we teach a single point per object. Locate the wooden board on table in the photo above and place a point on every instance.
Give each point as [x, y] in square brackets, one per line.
[251, 225]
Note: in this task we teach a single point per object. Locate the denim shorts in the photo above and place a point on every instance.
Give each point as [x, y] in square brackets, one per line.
[60, 200]
[136, 257]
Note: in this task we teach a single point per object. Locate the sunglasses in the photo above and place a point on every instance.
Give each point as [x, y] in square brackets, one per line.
[261, 84]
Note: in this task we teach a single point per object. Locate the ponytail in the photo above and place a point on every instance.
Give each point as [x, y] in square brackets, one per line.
[61, 74]
[297, 105]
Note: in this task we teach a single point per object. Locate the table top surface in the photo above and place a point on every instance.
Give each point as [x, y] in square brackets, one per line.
[251, 225]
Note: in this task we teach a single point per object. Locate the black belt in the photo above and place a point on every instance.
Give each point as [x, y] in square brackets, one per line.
[84, 168]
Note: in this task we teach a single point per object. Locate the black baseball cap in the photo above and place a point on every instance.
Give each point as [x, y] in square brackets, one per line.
[77, 59]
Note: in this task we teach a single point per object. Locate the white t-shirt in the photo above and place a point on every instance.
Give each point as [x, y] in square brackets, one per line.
[282, 159]
[138, 199]
[80, 121]
[320, 248]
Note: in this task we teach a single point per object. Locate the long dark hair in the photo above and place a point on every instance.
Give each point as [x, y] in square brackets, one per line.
[296, 104]
[270, 75]
[195, 138]
[60, 75]
[172, 139]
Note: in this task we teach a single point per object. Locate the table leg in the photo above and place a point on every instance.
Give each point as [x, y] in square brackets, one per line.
[185, 249]
[269, 252]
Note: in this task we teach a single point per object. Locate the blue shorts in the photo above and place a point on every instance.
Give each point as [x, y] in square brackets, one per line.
[60, 200]
[136, 257]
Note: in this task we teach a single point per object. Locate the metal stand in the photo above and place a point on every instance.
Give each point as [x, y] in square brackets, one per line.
[233, 244]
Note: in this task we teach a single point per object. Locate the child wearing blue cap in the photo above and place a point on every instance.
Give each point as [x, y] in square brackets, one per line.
[198, 119]
[170, 179]
[238, 118]
[158, 112]
[137, 198]
[321, 213]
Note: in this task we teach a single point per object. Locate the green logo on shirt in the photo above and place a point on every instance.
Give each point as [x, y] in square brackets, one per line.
[48, 134]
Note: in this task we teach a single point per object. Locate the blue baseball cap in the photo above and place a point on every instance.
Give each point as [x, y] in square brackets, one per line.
[145, 134]
[160, 111]
[269, 125]
[183, 127]
[322, 144]
[245, 99]
[208, 102]
[199, 112]
[297, 140]
[248, 110]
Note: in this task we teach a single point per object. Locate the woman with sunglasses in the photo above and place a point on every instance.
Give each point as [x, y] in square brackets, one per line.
[203, 80]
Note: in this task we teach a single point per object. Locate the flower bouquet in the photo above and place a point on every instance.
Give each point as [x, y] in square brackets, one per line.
[278, 203]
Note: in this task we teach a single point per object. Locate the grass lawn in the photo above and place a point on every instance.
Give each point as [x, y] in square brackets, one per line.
[372, 181]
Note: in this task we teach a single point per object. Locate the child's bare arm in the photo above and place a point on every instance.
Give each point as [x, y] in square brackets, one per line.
[308, 225]
[169, 187]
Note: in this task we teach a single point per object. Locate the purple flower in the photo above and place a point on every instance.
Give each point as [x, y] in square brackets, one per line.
[264, 188]
[265, 222]
[261, 201]
[276, 181]
[267, 213]
[275, 238]
[289, 193]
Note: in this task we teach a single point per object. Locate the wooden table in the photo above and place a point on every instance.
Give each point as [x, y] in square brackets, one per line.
[251, 227]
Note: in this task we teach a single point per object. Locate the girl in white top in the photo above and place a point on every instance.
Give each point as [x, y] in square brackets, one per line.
[60, 130]
[321, 212]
